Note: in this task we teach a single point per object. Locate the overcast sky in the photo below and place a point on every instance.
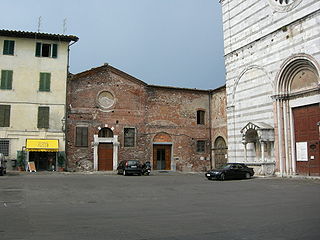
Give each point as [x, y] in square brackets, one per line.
[162, 42]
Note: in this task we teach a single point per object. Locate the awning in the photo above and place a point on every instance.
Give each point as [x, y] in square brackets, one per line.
[42, 145]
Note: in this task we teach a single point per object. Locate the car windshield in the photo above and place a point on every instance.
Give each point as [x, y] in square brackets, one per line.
[132, 162]
[226, 166]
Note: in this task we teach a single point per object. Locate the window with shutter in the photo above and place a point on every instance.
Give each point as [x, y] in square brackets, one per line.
[43, 117]
[46, 50]
[6, 79]
[8, 47]
[54, 50]
[82, 136]
[45, 80]
[38, 49]
[129, 137]
[5, 115]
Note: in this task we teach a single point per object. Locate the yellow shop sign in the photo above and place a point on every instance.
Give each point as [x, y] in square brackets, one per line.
[42, 145]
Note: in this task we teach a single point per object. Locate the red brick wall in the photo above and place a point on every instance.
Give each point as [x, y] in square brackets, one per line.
[149, 109]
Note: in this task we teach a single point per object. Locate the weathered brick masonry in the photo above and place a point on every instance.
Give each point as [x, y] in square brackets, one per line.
[160, 116]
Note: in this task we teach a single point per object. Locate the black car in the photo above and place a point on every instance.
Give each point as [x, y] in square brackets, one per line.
[230, 171]
[128, 167]
[3, 167]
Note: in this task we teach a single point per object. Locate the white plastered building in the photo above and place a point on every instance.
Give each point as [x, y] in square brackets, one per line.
[272, 56]
[34, 69]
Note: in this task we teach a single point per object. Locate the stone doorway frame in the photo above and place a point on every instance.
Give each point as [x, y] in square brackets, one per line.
[97, 141]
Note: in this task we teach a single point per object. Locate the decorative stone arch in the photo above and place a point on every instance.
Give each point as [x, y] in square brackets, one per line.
[162, 137]
[244, 71]
[297, 85]
[220, 152]
[258, 138]
[105, 132]
[289, 70]
[253, 81]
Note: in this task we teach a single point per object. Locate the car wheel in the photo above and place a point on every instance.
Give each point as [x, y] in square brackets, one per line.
[222, 177]
[248, 176]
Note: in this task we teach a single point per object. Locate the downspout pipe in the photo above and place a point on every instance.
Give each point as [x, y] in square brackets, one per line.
[210, 128]
[65, 108]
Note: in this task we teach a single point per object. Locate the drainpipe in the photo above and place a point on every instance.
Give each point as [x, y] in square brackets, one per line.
[210, 129]
[65, 108]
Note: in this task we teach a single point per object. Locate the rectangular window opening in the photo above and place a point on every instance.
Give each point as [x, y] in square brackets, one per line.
[200, 117]
[4, 147]
[201, 146]
[82, 136]
[129, 137]
[46, 50]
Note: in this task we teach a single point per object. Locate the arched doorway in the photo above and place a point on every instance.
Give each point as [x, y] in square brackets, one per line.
[220, 152]
[105, 150]
[162, 148]
[298, 112]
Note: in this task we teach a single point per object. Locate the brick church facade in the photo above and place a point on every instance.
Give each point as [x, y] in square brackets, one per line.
[112, 116]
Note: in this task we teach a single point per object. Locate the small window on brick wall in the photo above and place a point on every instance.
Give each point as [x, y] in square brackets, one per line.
[129, 137]
[201, 146]
[82, 136]
[4, 147]
[200, 117]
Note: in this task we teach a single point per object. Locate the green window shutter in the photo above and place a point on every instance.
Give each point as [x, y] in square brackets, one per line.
[11, 47]
[43, 117]
[6, 79]
[38, 49]
[45, 82]
[54, 50]
[8, 47]
[5, 47]
[5, 115]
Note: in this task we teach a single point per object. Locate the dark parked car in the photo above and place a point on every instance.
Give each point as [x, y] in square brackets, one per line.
[127, 167]
[231, 171]
[3, 165]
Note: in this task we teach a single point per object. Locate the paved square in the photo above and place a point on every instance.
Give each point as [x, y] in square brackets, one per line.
[162, 206]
